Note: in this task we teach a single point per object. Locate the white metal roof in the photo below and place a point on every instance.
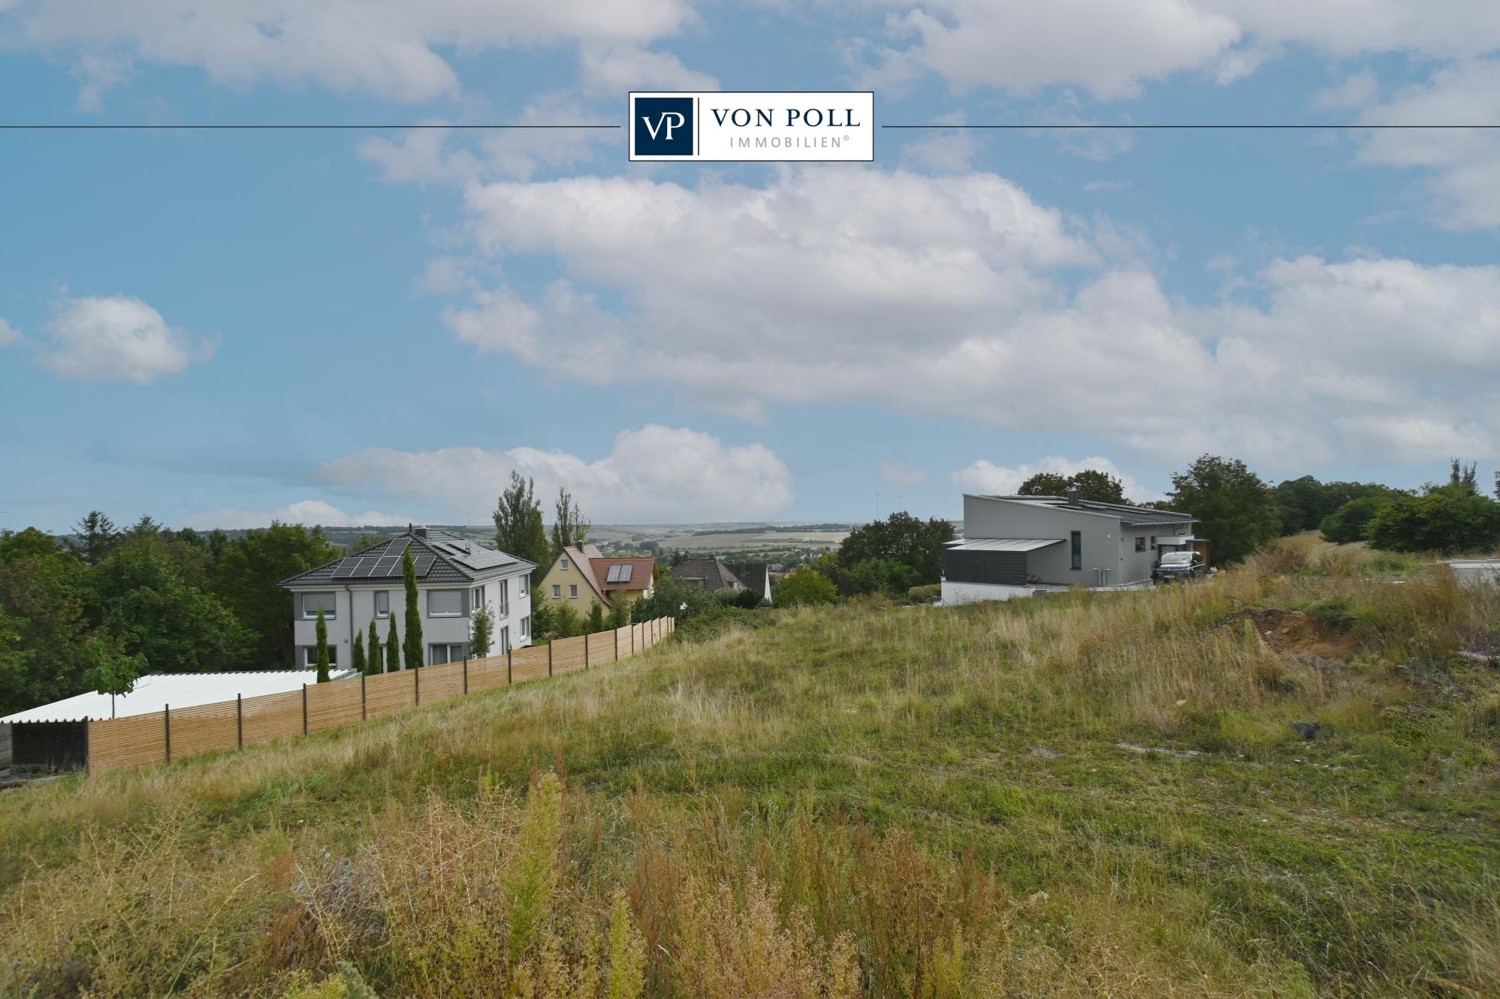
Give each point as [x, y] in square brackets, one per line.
[179, 690]
[1002, 544]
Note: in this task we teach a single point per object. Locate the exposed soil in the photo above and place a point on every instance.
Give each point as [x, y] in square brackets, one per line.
[1296, 633]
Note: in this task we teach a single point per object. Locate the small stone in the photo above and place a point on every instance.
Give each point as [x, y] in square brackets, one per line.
[1309, 730]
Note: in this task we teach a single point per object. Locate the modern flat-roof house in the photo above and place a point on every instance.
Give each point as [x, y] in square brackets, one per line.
[1016, 545]
[582, 576]
[455, 576]
[706, 573]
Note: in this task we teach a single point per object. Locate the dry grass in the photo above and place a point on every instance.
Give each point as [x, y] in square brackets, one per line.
[1069, 796]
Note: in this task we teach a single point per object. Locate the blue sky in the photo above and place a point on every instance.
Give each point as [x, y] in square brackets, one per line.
[219, 328]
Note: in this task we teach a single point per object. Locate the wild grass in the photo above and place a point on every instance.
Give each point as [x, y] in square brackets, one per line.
[1075, 795]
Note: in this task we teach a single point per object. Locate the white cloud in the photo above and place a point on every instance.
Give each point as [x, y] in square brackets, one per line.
[117, 338]
[951, 296]
[1111, 47]
[310, 513]
[986, 477]
[615, 70]
[8, 334]
[1462, 165]
[902, 475]
[385, 48]
[654, 474]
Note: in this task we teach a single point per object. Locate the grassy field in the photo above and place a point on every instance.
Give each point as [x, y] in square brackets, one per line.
[1077, 795]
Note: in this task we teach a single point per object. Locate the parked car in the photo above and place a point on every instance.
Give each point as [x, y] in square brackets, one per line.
[1179, 565]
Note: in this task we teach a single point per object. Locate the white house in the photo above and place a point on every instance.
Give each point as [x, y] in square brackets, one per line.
[1016, 545]
[455, 577]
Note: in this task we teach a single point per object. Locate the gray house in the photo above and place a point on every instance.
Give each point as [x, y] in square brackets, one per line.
[455, 577]
[1017, 545]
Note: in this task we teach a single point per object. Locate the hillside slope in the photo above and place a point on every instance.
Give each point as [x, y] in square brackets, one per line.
[1070, 796]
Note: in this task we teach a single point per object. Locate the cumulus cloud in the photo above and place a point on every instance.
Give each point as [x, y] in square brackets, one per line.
[385, 48]
[1022, 46]
[956, 296]
[902, 475]
[986, 477]
[1461, 166]
[117, 338]
[8, 333]
[309, 512]
[653, 474]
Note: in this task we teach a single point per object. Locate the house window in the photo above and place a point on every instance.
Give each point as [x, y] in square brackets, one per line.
[446, 653]
[310, 656]
[1140, 543]
[476, 597]
[525, 585]
[526, 627]
[556, 592]
[504, 640]
[1153, 542]
[1077, 549]
[382, 603]
[573, 590]
[314, 602]
[565, 563]
[504, 597]
[445, 603]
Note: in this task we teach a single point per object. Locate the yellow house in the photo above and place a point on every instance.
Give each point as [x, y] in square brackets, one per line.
[581, 576]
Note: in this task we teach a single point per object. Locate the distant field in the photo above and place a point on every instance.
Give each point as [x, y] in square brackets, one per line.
[765, 539]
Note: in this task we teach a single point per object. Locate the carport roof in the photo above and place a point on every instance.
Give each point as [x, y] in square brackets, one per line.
[1003, 544]
[156, 691]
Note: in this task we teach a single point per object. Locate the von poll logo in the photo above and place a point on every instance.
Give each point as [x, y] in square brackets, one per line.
[753, 126]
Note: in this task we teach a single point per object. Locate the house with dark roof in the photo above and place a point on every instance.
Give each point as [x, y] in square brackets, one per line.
[706, 573]
[455, 577]
[754, 575]
[581, 576]
[1019, 545]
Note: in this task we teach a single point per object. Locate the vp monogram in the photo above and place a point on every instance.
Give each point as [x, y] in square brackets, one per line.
[663, 126]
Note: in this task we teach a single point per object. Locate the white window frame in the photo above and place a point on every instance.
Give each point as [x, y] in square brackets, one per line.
[504, 595]
[572, 591]
[457, 613]
[525, 583]
[526, 626]
[381, 615]
[565, 561]
[447, 647]
[310, 656]
[504, 640]
[476, 598]
[329, 614]
[556, 591]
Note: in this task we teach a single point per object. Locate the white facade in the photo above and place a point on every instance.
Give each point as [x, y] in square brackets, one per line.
[447, 615]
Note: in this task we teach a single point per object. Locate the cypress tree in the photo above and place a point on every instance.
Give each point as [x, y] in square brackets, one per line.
[413, 646]
[322, 633]
[357, 656]
[376, 662]
[392, 649]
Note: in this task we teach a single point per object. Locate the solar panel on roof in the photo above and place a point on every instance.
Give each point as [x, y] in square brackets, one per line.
[424, 563]
[614, 574]
[344, 569]
[386, 566]
[366, 567]
[626, 571]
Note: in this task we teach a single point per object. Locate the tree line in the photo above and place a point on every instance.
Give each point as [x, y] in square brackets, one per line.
[95, 610]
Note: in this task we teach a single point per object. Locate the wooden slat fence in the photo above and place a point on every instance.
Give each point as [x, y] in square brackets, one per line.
[177, 733]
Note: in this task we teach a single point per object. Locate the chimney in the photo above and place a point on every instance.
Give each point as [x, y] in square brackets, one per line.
[1072, 497]
[420, 532]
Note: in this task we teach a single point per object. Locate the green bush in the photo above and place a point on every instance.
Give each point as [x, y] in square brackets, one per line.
[1446, 520]
[925, 594]
[1350, 521]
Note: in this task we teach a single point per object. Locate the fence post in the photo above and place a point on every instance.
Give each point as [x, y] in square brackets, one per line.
[304, 709]
[617, 645]
[166, 719]
[364, 710]
[585, 650]
[88, 760]
[416, 683]
[466, 676]
[549, 656]
[239, 720]
[508, 680]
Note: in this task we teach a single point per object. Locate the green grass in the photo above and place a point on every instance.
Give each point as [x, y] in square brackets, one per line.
[1072, 795]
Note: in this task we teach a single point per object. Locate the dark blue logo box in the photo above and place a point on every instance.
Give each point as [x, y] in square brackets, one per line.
[663, 126]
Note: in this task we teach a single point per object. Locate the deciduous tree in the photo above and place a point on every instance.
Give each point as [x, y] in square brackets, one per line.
[519, 529]
[1235, 510]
